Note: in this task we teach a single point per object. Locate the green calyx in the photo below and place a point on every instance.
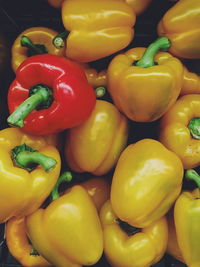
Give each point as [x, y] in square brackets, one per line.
[129, 229]
[34, 252]
[192, 175]
[147, 59]
[194, 127]
[66, 177]
[33, 49]
[40, 97]
[59, 40]
[100, 91]
[28, 158]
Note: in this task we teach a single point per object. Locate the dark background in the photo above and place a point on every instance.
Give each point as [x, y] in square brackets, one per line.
[18, 15]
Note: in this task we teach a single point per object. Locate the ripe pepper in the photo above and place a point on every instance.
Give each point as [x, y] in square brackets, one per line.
[186, 217]
[172, 245]
[29, 170]
[97, 28]
[32, 41]
[68, 232]
[19, 246]
[55, 96]
[191, 83]
[16, 238]
[126, 246]
[181, 25]
[99, 190]
[147, 180]
[95, 145]
[138, 6]
[144, 87]
[179, 130]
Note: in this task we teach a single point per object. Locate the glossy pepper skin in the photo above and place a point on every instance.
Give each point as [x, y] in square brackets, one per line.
[191, 83]
[140, 249]
[144, 92]
[181, 25]
[138, 6]
[68, 232]
[65, 97]
[147, 180]
[19, 245]
[179, 130]
[97, 28]
[186, 218]
[172, 244]
[95, 145]
[99, 190]
[41, 36]
[22, 191]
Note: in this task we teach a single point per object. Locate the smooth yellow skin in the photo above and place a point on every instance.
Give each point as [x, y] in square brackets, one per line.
[19, 245]
[146, 182]
[144, 94]
[139, 250]
[181, 25]
[174, 132]
[23, 192]
[99, 190]
[172, 245]
[96, 78]
[191, 83]
[138, 6]
[95, 145]
[68, 232]
[187, 217]
[38, 35]
[97, 28]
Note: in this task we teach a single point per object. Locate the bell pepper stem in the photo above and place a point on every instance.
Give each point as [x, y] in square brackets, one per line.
[26, 42]
[34, 252]
[100, 91]
[193, 175]
[41, 95]
[65, 177]
[194, 127]
[147, 59]
[59, 40]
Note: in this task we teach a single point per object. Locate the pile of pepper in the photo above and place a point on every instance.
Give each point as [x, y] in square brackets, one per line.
[76, 186]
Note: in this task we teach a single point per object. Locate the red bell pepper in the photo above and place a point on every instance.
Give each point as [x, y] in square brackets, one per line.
[49, 94]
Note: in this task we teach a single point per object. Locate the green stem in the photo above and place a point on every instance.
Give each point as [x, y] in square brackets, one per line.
[100, 91]
[40, 97]
[35, 49]
[194, 127]
[27, 158]
[65, 177]
[147, 59]
[59, 40]
[34, 252]
[193, 175]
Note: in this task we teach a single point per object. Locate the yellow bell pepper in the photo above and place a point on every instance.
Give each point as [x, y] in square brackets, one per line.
[142, 89]
[172, 245]
[68, 232]
[186, 218]
[179, 130]
[126, 246]
[146, 182]
[19, 246]
[97, 28]
[99, 190]
[29, 170]
[35, 40]
[138, 6]
[181, 25]
[95, 145]
[191, 83]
